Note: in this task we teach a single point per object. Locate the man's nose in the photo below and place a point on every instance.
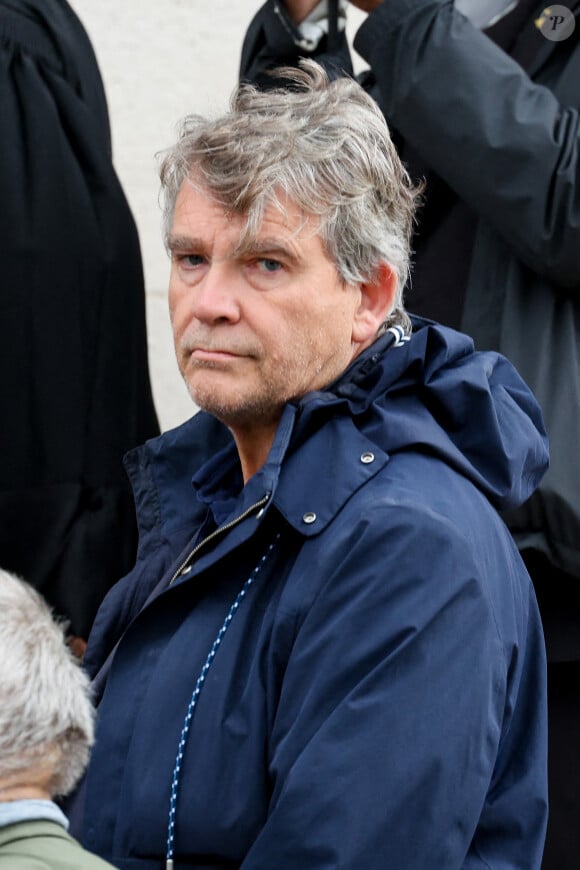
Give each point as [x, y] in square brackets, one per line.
[216, 296]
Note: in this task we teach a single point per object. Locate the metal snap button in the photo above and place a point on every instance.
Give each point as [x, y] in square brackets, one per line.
[367, 457]
[309, 517]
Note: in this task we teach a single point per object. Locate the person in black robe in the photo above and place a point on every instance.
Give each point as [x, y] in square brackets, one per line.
[74, 389]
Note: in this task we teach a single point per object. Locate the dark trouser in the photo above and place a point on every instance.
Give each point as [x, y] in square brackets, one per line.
[559, 600]
[562, 850]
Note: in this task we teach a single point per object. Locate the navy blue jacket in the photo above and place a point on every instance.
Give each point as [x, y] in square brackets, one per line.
[375, 698]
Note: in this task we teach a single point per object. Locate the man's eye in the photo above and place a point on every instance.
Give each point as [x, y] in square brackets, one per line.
[268, 265]
[190, 261]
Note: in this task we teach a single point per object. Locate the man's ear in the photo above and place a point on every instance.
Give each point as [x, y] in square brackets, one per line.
[376, 303]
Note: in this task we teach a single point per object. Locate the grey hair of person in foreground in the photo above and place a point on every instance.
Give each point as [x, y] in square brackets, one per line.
[324, 145]
[46, 715]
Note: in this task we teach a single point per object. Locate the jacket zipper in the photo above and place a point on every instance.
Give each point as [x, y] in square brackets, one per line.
[259, 504]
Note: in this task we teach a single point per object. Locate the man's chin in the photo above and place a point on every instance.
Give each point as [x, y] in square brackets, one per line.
[236, 412]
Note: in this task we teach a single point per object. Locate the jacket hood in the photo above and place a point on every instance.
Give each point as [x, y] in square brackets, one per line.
[434, 393]
[429, 392]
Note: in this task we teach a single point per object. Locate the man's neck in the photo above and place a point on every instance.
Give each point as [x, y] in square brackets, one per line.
[27, 784]
[253, 445]
[23, 793]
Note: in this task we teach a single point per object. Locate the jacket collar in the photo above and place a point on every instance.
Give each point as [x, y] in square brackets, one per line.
[323, 472]
[428, 393]
[29, 810]
[318, 458]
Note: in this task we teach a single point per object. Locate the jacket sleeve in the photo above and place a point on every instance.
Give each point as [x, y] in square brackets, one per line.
[392, 709]
[272, 40]
[503, 143]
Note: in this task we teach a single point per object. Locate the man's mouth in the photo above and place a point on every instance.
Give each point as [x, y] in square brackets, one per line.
[214, 355]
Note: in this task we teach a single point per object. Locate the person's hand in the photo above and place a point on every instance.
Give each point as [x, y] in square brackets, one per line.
[366, 5]
[77, 646]
[299, 9]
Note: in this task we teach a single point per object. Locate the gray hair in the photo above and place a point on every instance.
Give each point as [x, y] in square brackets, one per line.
[323, 144]
[46, 715]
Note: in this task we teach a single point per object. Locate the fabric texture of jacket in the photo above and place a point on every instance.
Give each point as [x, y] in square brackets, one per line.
[447, 89]
[497, 137]
[44, 845]
[345, 655]
[75, 392]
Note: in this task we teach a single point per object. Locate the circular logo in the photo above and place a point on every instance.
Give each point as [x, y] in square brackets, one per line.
[556, 23]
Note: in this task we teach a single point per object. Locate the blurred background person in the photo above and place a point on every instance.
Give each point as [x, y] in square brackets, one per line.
[75, 391]
[46, 731]
[482, 97]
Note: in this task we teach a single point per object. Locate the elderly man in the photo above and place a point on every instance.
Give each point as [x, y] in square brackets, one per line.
[46, 730]
[329, 652]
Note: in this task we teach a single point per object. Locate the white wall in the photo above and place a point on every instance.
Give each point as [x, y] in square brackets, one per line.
[160, 60]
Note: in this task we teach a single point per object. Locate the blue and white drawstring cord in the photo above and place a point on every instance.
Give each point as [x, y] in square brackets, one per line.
[194, 698]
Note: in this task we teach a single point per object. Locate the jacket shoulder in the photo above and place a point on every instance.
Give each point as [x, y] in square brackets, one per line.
[44, 845]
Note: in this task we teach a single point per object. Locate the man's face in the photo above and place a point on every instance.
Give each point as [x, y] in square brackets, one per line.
[257, 325]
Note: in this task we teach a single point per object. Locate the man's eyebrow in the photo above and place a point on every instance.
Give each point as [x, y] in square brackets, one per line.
[273, 247]
[269, 246]
[183, 243]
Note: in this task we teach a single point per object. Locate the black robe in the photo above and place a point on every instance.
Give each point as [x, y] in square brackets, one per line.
[74, 386]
